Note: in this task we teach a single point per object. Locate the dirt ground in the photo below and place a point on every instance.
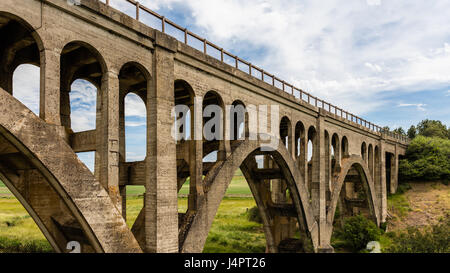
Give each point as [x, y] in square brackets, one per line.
[424, 204]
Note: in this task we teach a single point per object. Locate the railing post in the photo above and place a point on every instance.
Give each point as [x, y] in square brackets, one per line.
[137, 10]
[204, 45]
[163, 24]
[186, 36]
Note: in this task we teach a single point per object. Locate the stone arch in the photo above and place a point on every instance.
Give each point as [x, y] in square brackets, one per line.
[338, 179]
[336, 145]
[218, 141]
[80, 61]
[299, 136]
[20, 45]
[364, 151]
[344, 147]
[312, 172]
[133, 78]
[218, 179]
[239, 123]
[286, 133]
[370, 159]
[72, 198]
[134, 81]
[184, 95]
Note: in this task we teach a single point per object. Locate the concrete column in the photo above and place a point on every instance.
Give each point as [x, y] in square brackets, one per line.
[196, 193]
[383, 196]
[50, 87]
[108, 135]
[291, 140]
[225, 144]
[304, 159]
[394, 171]
[161, 202]
[122, 149]
[319, 190]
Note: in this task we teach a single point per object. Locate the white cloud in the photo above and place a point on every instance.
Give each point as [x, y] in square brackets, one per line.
[346, 52]
[373, 2]
[134, 106]
[420, 106]
[26, 86]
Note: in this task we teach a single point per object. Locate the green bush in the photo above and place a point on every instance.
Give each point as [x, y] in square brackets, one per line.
[434, 239]
[427, 159]
[254, 216]
[357, 232]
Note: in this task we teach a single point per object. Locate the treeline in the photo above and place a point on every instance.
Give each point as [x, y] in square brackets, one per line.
[428, 155]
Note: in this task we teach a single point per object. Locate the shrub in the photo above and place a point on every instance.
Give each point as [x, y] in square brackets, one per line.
[434, 239]
[426, 159]
[254, 216]
[357, 232]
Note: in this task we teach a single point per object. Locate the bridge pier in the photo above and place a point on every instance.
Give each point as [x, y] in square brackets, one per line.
[161, 207]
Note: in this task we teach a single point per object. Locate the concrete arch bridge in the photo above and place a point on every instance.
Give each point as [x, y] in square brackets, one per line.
[325, 159]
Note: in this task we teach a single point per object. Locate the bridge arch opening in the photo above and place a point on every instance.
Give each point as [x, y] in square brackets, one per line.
[35, 192]
[364, 151]
[81, 61]
[370, 159]
[213, 124]
[286, 133]
[355, 197]
[22, 52]
[276, 195]
[239, 128]
[184, 96]
[335, 146]
[391, 173]
[82, 71]
[313, 157]
[344, 146]
[133, 89]
[299, 139]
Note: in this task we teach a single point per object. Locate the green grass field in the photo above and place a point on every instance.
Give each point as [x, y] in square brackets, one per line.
[230, 232]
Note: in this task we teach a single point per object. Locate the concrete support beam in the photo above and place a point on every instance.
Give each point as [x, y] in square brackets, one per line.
[83, 141]
[50, 87]
[319, 193]
[196, 193]
[383, 192]
[161, 204]
[108, 137]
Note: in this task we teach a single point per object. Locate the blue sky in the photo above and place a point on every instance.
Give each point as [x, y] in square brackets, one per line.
[387, 61]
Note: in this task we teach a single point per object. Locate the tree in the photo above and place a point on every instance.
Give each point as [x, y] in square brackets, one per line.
[412, 132]
[432, 128]
[386, 129]
[399, 131]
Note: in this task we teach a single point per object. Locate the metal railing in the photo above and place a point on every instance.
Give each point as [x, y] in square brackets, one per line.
[224, 56]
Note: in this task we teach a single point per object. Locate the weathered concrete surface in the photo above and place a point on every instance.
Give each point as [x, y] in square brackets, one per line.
[75, 186]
